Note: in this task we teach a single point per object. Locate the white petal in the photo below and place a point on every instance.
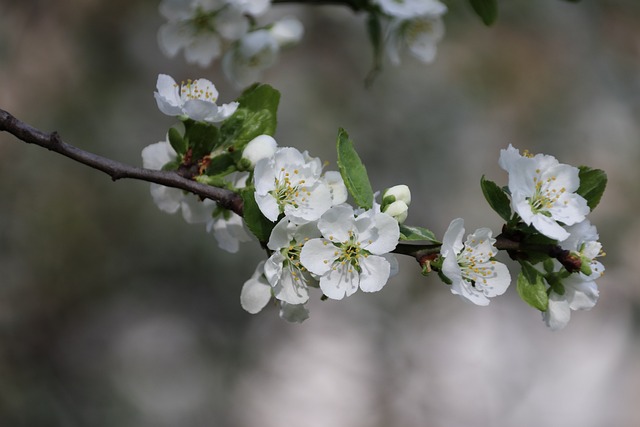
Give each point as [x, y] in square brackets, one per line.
[195, 211]
[268, 206]
[256, 292]
[375, 273]
[339, 281]
[168, 96]
[452, 240]
[383, 236]
[336, 223]
[280, 235]
[172, 37]
[167, 199]
[155, 156]
[199, 110]
[203, 49]
[581, 294]
[318, 255]
[339, 192]
[287, 31]
[558, 314]
[229, 232]
[496, 284]
[549, 227]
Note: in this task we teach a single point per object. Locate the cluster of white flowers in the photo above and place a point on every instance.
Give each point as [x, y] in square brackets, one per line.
[412, 24]
[208, 29]
[319, 240]
[228, 227]
[543, 194]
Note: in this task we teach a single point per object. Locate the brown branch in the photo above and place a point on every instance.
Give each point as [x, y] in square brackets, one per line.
[116, 170]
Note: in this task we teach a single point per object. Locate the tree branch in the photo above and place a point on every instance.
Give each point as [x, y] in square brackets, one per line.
[116, 170]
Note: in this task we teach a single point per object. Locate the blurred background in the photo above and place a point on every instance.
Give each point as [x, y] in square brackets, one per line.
[113, 313]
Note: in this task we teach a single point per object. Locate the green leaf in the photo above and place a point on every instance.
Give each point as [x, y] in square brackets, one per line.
[531, 287]
[487, 10]
[259, 225]
[201, 137]
[496, 198]
[177, 141]
[592, 185]
[408, 232]
[256, 115]
[353, 172]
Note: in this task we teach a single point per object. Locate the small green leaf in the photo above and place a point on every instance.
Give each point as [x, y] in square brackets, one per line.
[411, 233]
[531, 287]
[487, 10]
[353, 172]
[256, 222]
[592, 185]
[256, 115]
[496, 198]
[177, 141]
[201, 137]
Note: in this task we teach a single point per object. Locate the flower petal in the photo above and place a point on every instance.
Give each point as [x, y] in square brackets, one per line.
[375, 273]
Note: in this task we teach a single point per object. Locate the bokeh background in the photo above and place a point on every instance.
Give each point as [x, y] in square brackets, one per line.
[113, 313]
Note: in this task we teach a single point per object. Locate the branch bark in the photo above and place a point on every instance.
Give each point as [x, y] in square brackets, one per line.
[116, 170]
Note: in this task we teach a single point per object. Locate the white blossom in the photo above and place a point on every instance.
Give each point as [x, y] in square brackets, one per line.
[258, 50]
[201, 27]
[195, 99]
[290, 182]
[419, 35]
[474, 274]
[543, 192]
[579, 290]
[288, 277]
[353, 252]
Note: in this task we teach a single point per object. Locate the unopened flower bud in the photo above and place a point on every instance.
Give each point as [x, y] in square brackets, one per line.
[260, 147]
[398, 210]
[398, 192]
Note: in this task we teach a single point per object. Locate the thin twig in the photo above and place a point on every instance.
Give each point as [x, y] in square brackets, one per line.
[116, 170]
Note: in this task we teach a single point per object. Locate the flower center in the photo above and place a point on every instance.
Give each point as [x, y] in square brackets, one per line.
[545, 195]
[292, 252]
[415, 28]
[192, 90]
[474, 268]
[290, 189]
[350, 252]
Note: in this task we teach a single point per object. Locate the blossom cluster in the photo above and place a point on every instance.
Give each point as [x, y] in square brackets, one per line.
[208, 29]
[319, 240]
[544, 195]
[315, 239]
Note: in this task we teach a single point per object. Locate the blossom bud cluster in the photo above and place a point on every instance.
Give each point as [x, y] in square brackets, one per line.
[318, 239]
[208, 29]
